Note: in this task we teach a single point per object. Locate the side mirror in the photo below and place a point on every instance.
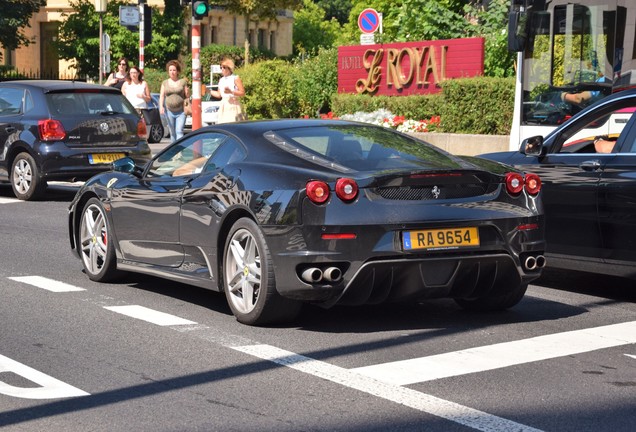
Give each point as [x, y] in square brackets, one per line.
[517, 31]
[532, 146]
[127, 165]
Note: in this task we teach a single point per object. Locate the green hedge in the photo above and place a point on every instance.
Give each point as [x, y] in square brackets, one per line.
[480, 105]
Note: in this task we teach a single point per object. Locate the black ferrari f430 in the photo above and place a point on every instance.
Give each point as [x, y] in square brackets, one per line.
[279, 213]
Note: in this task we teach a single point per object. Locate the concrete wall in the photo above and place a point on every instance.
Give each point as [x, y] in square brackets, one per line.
[466, 144]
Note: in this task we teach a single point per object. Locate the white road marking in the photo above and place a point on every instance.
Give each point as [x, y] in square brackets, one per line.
[414, 399]
[150, 315]
[50, 388]
[630, 355]
[9, 200]
[47, 284]
[501, 355]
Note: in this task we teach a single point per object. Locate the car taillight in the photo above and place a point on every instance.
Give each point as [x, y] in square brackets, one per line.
[514, 183]
[141, 128]
[51, 130]
[533, 183]
[346, 189]
[317, 191]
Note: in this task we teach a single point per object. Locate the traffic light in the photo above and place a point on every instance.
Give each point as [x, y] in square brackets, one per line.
[147, 24]
[200, 9]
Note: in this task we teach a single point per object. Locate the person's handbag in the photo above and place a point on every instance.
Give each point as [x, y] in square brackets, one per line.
[151, 116]
[187, 108]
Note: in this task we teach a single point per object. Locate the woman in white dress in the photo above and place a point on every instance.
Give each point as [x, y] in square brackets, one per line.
[136, 89]
[230, 89]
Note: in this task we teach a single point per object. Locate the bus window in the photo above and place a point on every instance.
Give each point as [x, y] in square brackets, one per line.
[567, 55]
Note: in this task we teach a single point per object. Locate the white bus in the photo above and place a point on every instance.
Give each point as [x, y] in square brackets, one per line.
[571, 53]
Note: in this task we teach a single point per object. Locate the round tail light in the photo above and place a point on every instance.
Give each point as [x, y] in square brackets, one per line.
[514, 183]
[533, 184]
[346, 189]
[317, 191]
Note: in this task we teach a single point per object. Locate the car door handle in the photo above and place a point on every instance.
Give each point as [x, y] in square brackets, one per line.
[590, 165]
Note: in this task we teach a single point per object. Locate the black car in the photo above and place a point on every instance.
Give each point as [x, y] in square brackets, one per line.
[280, 212]
[65, 131]
[589, 196]
[160, 130]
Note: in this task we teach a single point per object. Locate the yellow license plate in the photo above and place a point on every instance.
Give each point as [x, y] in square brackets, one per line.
[450, 238]
[98, 158]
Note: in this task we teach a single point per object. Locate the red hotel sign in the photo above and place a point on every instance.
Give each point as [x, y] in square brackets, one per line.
[408, 67]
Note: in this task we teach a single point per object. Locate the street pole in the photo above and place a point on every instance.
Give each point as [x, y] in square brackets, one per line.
[196, 74]
[142, 27]
[100, 8]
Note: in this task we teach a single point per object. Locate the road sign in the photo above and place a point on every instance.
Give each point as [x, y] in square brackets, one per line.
[369, 20]
[128, 16]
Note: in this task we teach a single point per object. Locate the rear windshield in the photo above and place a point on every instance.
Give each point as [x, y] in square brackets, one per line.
[358, 147]
[81, 103]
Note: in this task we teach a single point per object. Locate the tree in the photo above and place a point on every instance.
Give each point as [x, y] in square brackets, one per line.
[78, 39]
[311, 30]
[14, 17]
[256, 10]
[338, 9]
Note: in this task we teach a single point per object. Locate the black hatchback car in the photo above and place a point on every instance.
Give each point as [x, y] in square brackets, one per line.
[588, 169]
[65, 131]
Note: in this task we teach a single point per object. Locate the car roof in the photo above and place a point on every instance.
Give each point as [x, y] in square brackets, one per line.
[58, 85]
[261, 126]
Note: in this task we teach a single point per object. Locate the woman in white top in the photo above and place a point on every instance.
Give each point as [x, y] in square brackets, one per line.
[136, 89]
[230, 89]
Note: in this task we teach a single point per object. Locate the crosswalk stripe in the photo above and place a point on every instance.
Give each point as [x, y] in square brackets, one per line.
[411, 398]
[149, 315]
[501, 355]
[47, 284]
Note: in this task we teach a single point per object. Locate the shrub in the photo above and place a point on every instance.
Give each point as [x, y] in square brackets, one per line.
[269, 90]
[316, 82]
[477, 105]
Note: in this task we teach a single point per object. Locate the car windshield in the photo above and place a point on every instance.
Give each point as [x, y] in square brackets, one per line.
[87, 103]
[358, 148]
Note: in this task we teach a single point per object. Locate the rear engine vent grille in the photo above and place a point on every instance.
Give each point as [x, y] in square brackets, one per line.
[432, 192]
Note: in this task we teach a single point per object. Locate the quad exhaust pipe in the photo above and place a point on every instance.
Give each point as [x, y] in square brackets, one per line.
[533, 263]
[314, 275]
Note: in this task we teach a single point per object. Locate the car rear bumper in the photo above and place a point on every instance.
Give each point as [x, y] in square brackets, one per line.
[59, 162]
[374, 268]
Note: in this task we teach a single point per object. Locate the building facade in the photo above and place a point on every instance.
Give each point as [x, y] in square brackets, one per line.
[219, 27]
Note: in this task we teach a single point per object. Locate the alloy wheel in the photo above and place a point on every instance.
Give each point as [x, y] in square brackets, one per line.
[243, 271]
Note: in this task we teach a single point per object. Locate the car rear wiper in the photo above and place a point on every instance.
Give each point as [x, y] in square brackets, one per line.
[109, 112]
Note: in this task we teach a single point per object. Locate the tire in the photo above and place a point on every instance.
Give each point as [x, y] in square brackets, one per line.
[156, 133]
[248, 278]
[494, 303]
[25, 178]
[96, 243]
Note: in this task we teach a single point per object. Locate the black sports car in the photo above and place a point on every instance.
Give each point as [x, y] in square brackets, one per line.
[588, 167]
[280, 212]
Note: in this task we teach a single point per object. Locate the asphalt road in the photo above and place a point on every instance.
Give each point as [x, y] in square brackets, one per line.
[144, 354]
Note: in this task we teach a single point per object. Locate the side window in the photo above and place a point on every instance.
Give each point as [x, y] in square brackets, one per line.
[599, 134]
[229, 152]
[28, 101]
[188, 158]
[11, 101]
